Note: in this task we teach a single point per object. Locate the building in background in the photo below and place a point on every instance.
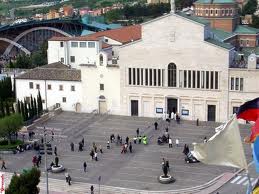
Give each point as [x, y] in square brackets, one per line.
[157, 1]
[68, 10]
[52, 14]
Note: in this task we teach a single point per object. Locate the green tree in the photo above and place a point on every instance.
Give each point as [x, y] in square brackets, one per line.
[26, 112]
[250, 7]
[10, 125]
[23, 110]
[2, 108]
[39, 102]
[19, 107]
[255, 22]
[12, 108]
[35, 107]
[26, 183]
[7, 108]
[30, 111]
[32, 107]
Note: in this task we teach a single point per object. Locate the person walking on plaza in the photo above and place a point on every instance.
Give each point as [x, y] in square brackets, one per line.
[167, 165]
[155, 124]
[135, 139]
[72, 146]
[177, 142]
[95, 156]
[92, 154]
[39, 159]
[3, 165]
[108, 145]
[52, 135]
[34, 160]
[139, 139]
[127, 140]
[100, 149]
[85, 165]
[118, 139]
[55, 150]
[137, 132]
[170, 142]
[205, 139]
[92, 189]
[130, 147]
[68, 178]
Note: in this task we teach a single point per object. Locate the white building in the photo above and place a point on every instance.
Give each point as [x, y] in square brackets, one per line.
[170, 64]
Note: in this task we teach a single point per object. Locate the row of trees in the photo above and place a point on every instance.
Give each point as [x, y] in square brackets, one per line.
[6, 89]
[5, 107]
[30, 110]
[38, 58]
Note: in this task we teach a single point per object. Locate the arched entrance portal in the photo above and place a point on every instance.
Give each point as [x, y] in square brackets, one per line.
[172, 104]
[102, 105]
[78, 107]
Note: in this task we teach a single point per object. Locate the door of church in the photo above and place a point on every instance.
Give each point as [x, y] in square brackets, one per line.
[102, 107]
[134, 107]
[171, 106]
[211, 112]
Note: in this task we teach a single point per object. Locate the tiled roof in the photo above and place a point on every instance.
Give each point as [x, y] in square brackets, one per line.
[242, 29]
[220, 44]
[52, 71]
[221, 35]
[215, 1]
[194, 18]
[123, 35]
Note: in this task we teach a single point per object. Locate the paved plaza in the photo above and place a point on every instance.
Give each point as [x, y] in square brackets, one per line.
[137, 170]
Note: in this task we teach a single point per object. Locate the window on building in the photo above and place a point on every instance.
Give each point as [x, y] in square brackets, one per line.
[241, 84]
[232, 83]
[150, 77]
[146, 77]
[138, 76]
[91, 44]
[61, 44]
[106, 40]
[207, 79]
[43, 101]
[130, 76]
[247, 42]
[72, 59]
[64, 99]
[185, 79]
[241, 42]
[159, 77]
[211, 12]
[198, 79]
[49, 86]
[211, 80]
[37, 86]
[60, 87]
[83, 44]
[237, 84]
[216, 80]
[134, 76]
[235, 109]
[171, 75]
[207, 11]
[226, 11]
[223, 11]
[74, 44]
[62, 59]
[101, 86]
[155, 82]
[31, 85]
[193, 79]
[189, 78]
[141, 76]
[73, 88]
[231, 12]
[216, 12]
[101, 59]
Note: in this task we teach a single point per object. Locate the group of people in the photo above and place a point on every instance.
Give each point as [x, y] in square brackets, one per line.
[36, 160]
[93, 152]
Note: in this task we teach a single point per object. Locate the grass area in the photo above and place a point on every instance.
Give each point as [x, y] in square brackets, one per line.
[12, 146]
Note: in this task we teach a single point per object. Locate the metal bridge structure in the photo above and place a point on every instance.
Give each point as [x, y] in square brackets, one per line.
[28, 37]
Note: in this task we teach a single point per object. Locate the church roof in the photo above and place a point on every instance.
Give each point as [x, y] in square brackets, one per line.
[221, 35]
[53, 71]
[242, 29]
[215, 2]
[194, 18]
[219, 43]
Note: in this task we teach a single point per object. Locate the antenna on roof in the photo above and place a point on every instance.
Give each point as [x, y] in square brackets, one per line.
[172, 2]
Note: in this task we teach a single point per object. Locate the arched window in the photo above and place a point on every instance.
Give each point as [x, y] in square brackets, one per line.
[101, 59]
[171, 75]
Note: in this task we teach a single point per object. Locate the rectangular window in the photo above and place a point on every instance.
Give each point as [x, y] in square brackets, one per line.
[61, 44]
[216, 80]
[31, 85]
[64, 99]
[146, 77]
[207, 11]
[73, 88]
[185, 79]
[130, 76]
[211, 79]
[72, 59]
[235, 109]
[142, 76]
[189, 79]
[60, 87]
[150, 77]
[138, 77]
[159, 77]
[237, 84]
[232, 83]
[101, 86]
[247, 42]
[43, 101]
[202, 79]
[211, 12]
[37, 86]
[74, 44]
[62, 59]
[49, 87]
[134, 76]
[83, 44]
[207, 79]
[193, 79]
[155, 77]
[241, 84]
[91, 44]
[198, 79]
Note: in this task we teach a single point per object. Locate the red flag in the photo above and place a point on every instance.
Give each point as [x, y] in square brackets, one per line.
[254, 131]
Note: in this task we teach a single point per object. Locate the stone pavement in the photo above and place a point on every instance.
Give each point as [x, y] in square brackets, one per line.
[138, 170]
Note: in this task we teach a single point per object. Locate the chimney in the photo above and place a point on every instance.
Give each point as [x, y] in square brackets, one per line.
[172, 6]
